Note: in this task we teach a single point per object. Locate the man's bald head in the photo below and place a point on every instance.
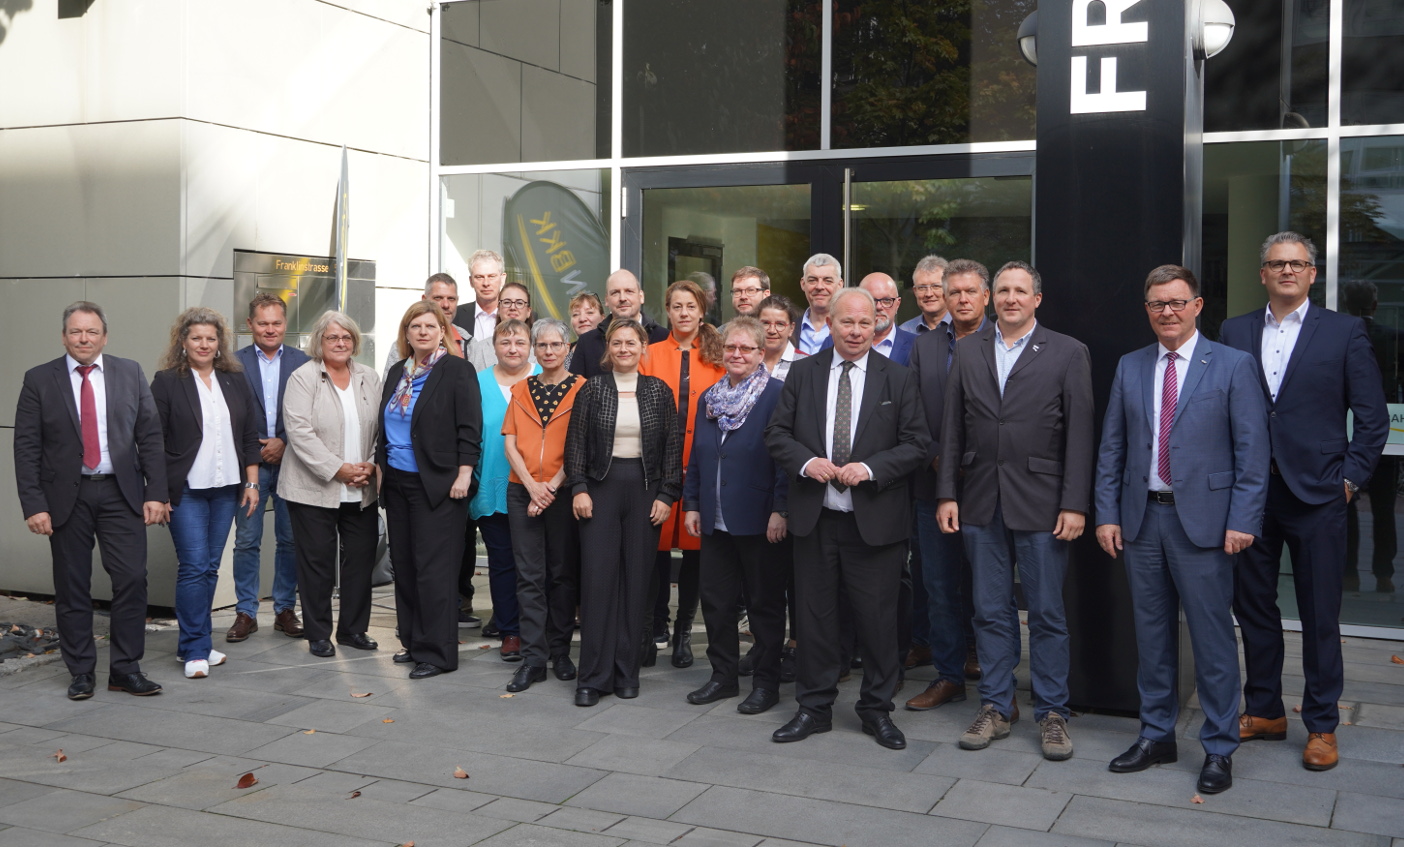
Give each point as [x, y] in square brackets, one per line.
[886, 296]
[624, 295]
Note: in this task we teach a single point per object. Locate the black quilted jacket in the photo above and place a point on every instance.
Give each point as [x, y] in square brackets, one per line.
[590, 439]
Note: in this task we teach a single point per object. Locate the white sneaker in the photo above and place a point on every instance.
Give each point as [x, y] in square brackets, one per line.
[197, 669]
[217, 658]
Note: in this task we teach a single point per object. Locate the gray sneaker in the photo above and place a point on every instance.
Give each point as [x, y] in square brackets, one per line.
[989, 726]
[1057, 746]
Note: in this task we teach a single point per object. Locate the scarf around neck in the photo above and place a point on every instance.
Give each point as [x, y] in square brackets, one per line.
[729, 404]
[414, 370]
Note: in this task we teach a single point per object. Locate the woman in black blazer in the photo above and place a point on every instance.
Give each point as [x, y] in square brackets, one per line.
[431, 425]
[624, 467]
[212, 453]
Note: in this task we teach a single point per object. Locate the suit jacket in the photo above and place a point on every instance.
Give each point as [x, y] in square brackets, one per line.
[1030, 450]
[590, 347]
[292, 359]
[49, 440]
[891, 439]
[928, 363]
[902, 341]
[183, 422]
[446, 425]
[1332, 371]
[1218, 445]
[466, 316]
[753, 486]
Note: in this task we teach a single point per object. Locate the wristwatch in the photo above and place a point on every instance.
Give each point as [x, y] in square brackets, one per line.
[252, 485]
[1354, 489]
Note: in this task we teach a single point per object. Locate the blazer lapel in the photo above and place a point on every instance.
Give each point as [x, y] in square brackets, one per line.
[1203, 354]
[65, 389]
[433, 379]
[1148, 387]
[821, 398]
[255, 377]
[1303, 339]
[1031, 349]
[987, 343]
[192, 396]
[873, 383]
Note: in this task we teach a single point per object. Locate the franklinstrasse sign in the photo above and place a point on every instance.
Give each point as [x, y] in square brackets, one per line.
[1113, 32]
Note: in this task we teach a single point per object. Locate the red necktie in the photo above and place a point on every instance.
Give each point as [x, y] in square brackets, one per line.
[1168, 395]
[87, 417]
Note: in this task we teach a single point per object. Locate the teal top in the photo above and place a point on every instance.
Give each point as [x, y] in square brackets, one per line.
[493, 469]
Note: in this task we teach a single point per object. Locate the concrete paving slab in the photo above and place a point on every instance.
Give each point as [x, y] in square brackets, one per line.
[1119, 820]
[1362, 813]
[64, 810]
[704, 837]
[529, 835]
[434, 766]
[632, 794]
[214, 781]
[173, 729]
[1380, 716]
[314, 751]
[453, 801]
[521, 811]
[648, 830]
[626, 754]
[640, 721]
[15, 791]
[845, 745]
[580, 820]
[18, 836]
[329, 716]
[1007, 805]
[163, 826]
[93, 771]
[498, 735]
[1004, 836]
[991, 765]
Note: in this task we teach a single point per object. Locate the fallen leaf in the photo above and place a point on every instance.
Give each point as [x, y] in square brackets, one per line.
[1347, 723]
[484, 646]
[308, 731]
[59, 756]
[14, 627]
[354, 795]
[407, 844]
[460, 773]
[505, 696]
[1296, 708]
[388, 720]
[248, 780]
[29, 655]
[1345, 708]
[1396, 660]
[1196, 799]
[367, 694]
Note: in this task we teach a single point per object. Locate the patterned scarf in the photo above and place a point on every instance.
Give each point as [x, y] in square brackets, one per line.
[729, 404]
[404, 392]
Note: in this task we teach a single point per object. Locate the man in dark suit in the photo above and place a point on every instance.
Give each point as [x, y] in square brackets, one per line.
[90, 465]
[486, 272]
[1316, 366]
[849, 432]
[1016, 478]
[888, 339]
[1181, 484]
[267, 365]
[625, 299]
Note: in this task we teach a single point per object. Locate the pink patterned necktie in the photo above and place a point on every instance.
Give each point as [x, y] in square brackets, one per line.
[1168, 396]
[87, 420]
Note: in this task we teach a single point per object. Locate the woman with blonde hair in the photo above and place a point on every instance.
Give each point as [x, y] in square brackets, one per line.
[212, 455]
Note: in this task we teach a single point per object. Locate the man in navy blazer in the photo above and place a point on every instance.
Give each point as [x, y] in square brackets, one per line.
[268, 363]
[1181, 485]
[1316, 365]
[888, 339]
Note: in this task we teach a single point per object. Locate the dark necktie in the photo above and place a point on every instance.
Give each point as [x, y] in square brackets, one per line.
[87, 419]
[1168, 395]
[843, 420]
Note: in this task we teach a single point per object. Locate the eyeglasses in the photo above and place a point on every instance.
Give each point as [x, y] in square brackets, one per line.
[744, 349]
[1155, 307]
[337, 339]
[885, 302]
[513, 304]
[550, 346]
[1297, 265]
[747, 292]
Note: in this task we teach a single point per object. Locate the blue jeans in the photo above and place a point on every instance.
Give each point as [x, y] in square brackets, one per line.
[248, 546]
[942, 557]
[1042, 561]
[502, 572]
[199, 528]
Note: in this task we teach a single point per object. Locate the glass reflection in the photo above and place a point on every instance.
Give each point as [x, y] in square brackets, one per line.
[1372, 65]
[1273, 73]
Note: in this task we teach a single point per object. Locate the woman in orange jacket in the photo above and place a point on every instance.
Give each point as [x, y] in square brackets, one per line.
[690, 361]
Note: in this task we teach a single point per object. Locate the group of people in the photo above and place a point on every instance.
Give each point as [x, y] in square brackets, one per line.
[878, 486]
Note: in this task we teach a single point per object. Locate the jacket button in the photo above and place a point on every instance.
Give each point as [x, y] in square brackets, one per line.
[721, 456]
[723, 482]
[1000, 463]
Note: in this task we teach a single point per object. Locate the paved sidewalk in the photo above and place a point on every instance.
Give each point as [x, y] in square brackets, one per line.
[379, 769]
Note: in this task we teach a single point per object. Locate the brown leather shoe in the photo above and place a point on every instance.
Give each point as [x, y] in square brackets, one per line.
[939, 693]
[244, 626]
[287, 623]
[1251, 728]
[917, 656]
[511, 649]
[1320, 753]
[972, 664]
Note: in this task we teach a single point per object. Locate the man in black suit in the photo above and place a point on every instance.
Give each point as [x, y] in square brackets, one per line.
[1016, 479]
[625, 299]
[849, 431]
[486, 273]
[90, 465]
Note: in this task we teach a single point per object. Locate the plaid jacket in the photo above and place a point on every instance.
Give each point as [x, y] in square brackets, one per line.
[590, 440]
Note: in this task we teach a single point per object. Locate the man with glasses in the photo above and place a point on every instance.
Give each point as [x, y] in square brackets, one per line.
[1316, 366]
[930, 297]
[1181, 485]
[823, 277]
[749, 286]
[888, 339]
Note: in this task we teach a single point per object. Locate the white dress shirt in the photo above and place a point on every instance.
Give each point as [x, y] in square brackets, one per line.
[350, 438]
[842, 501]
[217, 463]
[1278, 340]
[100, 397]
[484, 323]
[1183, 356]
[782, 367]
[1007, 356]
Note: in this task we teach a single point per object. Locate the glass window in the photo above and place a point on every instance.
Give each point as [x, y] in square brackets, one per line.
[1252, 190]
[930, 73]
[1273, 72]
[548, 226]
[524, 80]
[724, 76]
[1372, 64]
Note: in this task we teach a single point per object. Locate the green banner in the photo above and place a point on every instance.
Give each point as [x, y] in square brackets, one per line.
[555, 244]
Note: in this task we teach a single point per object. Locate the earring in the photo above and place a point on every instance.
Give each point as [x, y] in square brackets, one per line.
[216, 354]
[182, 352]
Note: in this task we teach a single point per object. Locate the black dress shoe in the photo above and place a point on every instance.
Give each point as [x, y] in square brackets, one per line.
[627, 692]
[132, 683]
[563, 668]
[1216, 775]
[759, 700]
[712, 692]
[586, 696]
[885, 732]
[403, 657]
[800, 727]
[81, 687]
[682, 646]
[424, 670]
[491, 630]
[524, 677]
[1143, 754]
[360, 641]
[321, 648]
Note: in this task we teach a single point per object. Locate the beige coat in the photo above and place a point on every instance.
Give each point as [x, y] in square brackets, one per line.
[312, 417]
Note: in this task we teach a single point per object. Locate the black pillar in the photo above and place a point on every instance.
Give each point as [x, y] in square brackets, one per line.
[1117, 192]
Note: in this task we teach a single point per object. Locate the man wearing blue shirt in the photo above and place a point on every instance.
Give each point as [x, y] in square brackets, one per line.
[930, 298]
[823, 277]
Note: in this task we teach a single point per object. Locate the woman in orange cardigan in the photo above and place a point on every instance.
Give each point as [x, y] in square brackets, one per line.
[690, 361]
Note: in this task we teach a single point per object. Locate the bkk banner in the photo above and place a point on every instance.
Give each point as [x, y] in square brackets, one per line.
[555, 244]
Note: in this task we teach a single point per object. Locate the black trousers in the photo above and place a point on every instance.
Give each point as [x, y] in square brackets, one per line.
[469, 565]
[1315, 536]
[829, 562]
[617, 549]
[100, 515]
[326, 538]
[426, 547]
[688, 580]
[729, 564]
[547, 553]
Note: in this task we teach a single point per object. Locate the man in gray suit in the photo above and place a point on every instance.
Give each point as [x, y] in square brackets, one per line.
[1181, 485]
[90, 466]
[1016, 478]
